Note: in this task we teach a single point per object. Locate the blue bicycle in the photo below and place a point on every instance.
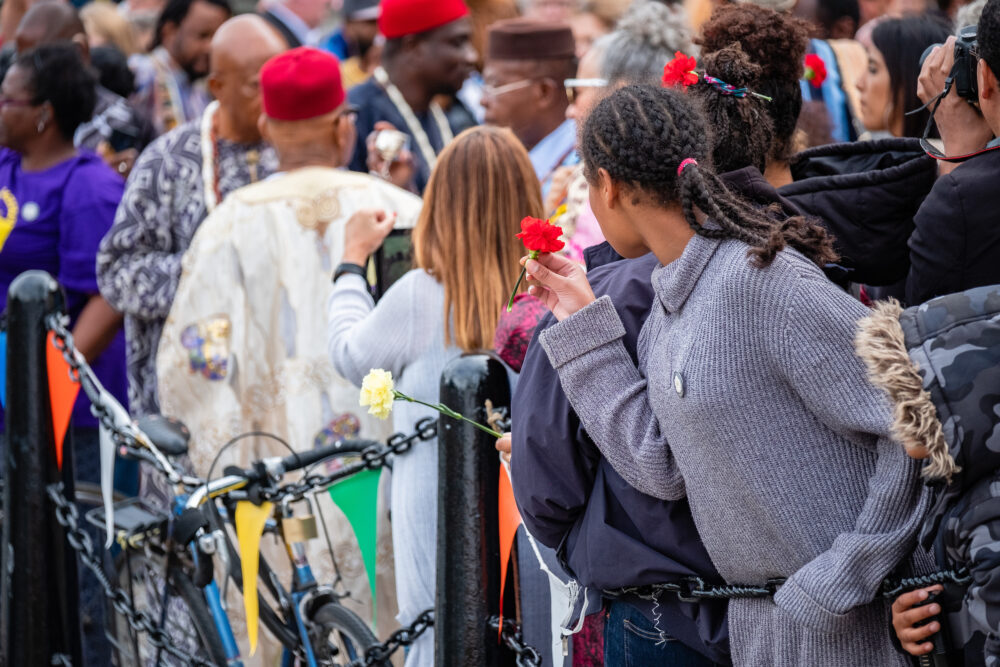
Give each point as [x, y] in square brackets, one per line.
[167, 563]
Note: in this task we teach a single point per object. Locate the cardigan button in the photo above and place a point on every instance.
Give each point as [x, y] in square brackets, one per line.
[679, 384]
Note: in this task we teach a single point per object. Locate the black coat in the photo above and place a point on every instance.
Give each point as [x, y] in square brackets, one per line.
[956, 243]
[866, 194]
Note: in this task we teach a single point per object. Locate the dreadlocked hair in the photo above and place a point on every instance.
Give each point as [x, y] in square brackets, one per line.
[742, 128]
[641, 134]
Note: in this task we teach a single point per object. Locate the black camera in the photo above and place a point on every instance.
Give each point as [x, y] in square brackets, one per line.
[944, 653]
[963, 72]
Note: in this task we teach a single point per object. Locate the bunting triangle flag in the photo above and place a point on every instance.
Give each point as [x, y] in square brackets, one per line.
[250, 520]
[509, 520]
[62, 394]
[3, 369]
[357, 498]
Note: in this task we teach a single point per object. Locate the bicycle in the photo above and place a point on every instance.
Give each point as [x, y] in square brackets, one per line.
[167, 562]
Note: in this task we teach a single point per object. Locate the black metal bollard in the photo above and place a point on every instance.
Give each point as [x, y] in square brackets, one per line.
[468, 543]
[39, 607]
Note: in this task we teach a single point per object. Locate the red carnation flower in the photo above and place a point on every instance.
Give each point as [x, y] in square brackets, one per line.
[540, 235]
[680, 71]
[815, 70]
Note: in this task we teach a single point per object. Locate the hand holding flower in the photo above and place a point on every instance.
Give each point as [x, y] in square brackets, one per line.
[562, 284]
[539, 236]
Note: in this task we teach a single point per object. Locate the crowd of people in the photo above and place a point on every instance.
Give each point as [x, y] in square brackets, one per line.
[759, 359]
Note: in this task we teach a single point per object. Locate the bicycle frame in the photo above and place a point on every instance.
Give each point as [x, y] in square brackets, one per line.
[303, 581]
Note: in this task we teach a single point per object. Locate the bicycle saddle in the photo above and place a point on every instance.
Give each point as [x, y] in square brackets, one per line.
[169, 435]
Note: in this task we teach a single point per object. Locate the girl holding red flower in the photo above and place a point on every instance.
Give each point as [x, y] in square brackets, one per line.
[744, 328]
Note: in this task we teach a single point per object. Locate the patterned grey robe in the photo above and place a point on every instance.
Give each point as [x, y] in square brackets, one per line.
[139, 261]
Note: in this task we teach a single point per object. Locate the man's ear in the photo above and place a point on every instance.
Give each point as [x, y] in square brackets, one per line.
[410, 43]
[214, 84]
[79, 40]
[264, 128]
[551, 92]
[986, 79]
[167, 34]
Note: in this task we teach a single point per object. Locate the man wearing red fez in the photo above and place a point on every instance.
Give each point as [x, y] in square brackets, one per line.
[244, 346]
[427, 54]
[525, 66]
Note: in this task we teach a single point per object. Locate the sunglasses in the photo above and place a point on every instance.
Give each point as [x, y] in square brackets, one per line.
[572, 85]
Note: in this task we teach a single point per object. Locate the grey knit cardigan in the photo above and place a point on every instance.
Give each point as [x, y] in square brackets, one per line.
[749, 399]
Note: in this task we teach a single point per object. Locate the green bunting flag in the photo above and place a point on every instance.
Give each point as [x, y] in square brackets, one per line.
[357, 498]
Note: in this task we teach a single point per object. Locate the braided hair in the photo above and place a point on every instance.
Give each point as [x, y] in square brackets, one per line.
[640, 135]
[742, 128]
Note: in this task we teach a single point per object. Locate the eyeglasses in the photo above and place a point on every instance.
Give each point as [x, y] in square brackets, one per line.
[497, 91]
[350, 112]
[572, 84]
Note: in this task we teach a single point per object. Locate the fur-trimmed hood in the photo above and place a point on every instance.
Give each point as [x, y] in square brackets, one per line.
[940, 365]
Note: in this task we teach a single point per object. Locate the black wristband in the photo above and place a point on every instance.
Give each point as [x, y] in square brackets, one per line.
[347, 267]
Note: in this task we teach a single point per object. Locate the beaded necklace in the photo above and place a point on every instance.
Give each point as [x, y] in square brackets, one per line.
[416, 129]
[210, 159]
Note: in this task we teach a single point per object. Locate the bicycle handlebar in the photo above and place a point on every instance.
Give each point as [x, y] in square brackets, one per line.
[300, 460]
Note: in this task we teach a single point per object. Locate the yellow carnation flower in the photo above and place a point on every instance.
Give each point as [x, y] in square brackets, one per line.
[377, 392]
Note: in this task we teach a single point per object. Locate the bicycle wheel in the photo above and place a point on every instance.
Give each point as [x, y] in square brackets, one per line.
[186, 618]
[341, 635]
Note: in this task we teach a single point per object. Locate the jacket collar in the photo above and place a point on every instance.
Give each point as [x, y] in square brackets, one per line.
[674, 282]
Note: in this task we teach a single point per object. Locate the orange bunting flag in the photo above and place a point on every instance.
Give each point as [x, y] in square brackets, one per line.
[510, 519]
[62, 394]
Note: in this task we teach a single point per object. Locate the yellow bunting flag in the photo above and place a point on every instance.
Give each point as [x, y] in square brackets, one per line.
[250, 520]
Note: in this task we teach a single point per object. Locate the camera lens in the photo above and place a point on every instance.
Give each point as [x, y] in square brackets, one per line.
[927, 52]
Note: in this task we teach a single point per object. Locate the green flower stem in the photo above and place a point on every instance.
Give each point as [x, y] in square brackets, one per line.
[446, 411]
[510, 302]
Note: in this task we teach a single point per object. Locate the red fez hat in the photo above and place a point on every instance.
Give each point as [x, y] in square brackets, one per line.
[301, 83]
[408, 17]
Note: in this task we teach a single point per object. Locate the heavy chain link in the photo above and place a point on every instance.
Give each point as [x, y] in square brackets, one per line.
[379, 654]
[372, 458]
[140, 621]
[693, 589]
[891, 588]
[526, 654]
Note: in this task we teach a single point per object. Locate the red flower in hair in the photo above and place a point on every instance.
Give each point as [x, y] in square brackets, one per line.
[815, 70]
[680, 71]
[540, 235]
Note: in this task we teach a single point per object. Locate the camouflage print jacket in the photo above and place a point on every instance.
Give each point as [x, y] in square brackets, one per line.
[940, 364]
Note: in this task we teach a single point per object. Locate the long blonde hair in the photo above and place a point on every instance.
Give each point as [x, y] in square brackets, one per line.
[481, 187]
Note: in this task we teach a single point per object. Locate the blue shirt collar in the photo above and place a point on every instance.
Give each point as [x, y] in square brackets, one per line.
[551, 151]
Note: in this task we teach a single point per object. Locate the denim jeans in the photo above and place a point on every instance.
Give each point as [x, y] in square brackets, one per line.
[631, 640]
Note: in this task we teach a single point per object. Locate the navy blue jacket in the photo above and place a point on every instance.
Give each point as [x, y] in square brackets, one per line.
[608, 534]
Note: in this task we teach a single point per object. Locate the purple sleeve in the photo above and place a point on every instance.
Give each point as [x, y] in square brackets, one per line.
[88, 208]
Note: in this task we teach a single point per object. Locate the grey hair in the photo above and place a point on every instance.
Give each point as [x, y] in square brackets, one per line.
[968, 14]
[644, 41]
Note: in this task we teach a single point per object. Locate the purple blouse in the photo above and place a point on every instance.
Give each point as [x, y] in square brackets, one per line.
[60, 215]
